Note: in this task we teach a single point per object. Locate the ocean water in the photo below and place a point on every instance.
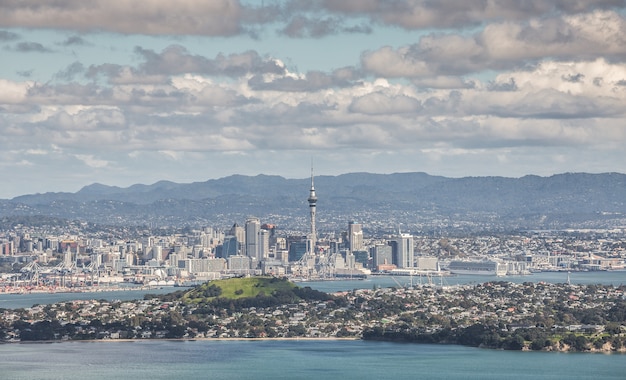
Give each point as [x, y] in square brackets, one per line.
[294, 360]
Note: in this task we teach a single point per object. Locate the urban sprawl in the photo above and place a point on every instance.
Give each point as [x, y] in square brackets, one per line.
[40, 259]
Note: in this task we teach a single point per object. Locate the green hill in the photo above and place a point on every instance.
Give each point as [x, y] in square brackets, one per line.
[238, 288]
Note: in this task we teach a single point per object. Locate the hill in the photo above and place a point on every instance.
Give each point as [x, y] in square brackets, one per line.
[257, 291]
[236, 288]
[417, 201]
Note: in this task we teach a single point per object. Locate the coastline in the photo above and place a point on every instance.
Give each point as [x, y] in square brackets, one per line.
[605, 350]
[83, 289]
[125, 340]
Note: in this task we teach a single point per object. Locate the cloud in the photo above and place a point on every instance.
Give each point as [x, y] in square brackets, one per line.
[74, 41]
[503, 46]
[176, 60]
[377, 103]
[424, 14]
[30, 47]
[8, 36]
[295, 111]
[294, 18]
[305, 27]
[70, 72]
[312, 81]
[13, 92]
[25, 73]
[91, 161]
[149, 17]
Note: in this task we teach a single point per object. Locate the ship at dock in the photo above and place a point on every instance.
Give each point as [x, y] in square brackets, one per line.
[486, 267]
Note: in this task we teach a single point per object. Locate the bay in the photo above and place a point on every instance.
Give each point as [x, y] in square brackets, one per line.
[293, 359]
[299, 359]
[616, 278]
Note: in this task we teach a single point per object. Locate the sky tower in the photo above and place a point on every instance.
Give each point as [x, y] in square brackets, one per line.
[312, 203]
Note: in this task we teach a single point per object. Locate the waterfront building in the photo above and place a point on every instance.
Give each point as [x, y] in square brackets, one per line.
[482, 267]
[381, 256]
[202, 265]
[427, 263]
[362, 257]
[403, 251]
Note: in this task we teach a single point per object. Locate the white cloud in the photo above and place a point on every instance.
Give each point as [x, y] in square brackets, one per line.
[526, 85]
[91, 161]
[13, 92]
[211, 18]
[377, 103]
[506, 45]
[425, 14]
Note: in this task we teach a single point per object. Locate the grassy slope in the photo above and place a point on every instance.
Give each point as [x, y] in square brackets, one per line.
[235, 288]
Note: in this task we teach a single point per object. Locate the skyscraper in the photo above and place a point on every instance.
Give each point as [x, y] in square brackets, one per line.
[253, 246]
[403, 251]
[240, 234]
[355, 236]
[312, 205]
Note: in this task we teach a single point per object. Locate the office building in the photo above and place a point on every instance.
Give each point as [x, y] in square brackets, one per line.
[355, 236]
[253, 232]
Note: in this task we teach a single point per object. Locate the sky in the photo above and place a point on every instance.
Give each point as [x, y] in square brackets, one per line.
[122, 92]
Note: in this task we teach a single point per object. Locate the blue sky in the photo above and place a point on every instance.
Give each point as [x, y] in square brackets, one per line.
[122, 92]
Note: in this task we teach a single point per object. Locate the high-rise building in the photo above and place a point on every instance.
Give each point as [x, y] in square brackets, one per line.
[264, 244]
[230, 247]
[355, 236]
[382, 256]
[238, 232]
[297, 246]
[253, 231]
[270, 230]
[312, 206]
[403, 251]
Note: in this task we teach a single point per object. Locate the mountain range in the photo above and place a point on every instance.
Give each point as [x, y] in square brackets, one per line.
[419, 200]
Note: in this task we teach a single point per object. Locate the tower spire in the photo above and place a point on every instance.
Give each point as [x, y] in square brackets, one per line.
[312, 206]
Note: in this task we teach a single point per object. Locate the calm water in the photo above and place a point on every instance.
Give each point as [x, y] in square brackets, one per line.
[606, 278]
[293, 360]
[13, 301]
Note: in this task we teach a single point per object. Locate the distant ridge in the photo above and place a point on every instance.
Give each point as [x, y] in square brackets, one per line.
[568, 199]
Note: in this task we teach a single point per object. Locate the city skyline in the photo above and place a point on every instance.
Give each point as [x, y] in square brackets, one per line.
[190, 91]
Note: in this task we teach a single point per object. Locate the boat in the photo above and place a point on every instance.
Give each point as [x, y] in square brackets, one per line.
[482, 267]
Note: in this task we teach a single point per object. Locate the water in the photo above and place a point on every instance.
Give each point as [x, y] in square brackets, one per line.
[298, 359]
[13, 301]
[293, 360]
[615, 278]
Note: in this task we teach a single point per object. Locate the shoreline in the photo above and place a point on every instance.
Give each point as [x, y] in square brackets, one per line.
[126, 340]
[564, 350]
[77, 290]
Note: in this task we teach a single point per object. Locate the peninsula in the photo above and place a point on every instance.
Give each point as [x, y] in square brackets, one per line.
[503, 315]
